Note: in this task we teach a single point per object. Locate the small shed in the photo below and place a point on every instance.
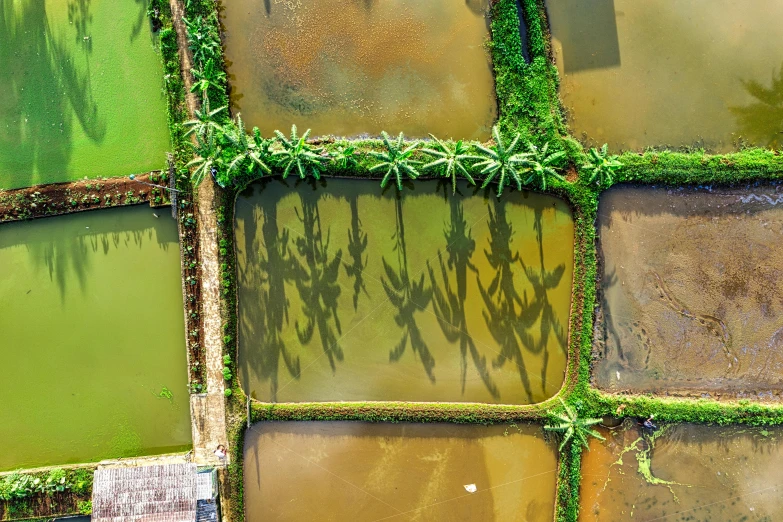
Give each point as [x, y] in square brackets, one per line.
[156, 493]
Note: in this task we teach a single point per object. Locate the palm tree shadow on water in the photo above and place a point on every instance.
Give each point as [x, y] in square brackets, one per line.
[316, 280]
[408, 297]
[762, 121]
[263, 288]
[449, 303]
[357, 244]
[41, 88]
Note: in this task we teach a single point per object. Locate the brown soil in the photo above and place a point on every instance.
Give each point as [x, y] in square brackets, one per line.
[65, 198]
[691, 286]
[42, 506]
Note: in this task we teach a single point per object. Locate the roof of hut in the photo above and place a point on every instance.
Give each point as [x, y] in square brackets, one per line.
[160, 493]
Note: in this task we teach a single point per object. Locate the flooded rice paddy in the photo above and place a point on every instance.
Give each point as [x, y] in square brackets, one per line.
[681, 473]
[670, 73]
[359, 67]
[691, 288]
[81, 91]
[93, 339]
[349, 294]
[371, 472]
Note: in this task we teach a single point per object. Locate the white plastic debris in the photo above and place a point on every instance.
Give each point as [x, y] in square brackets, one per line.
[470, 488]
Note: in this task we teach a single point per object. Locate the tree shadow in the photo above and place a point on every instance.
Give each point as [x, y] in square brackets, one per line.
[41, 89]
[762, 121]
[449, 303]
[263, 290]
[501, 298]
[541, 309]
[408, 297]
[316, 279]
[357, 244]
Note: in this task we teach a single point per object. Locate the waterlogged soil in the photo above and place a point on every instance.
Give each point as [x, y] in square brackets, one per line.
[370, 472]
[82, 91]
[687, 472]
[348, 293]
[691, 291]
[670, 73]
[359, 67]
[93, 339]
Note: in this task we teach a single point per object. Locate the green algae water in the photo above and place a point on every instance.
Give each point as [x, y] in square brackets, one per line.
[695, 473]
[92, 337]
[366, 472]
[81, 88]
[348, 293]
[638, 74]
[359, 67]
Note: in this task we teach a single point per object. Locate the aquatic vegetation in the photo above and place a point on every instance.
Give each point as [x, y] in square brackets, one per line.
[396, 160]
[601, 166]
[297, 153]
[502, 162]
[451, 161]
[571, 426]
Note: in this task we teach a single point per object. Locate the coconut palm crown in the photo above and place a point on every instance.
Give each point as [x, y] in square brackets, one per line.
[572, 426]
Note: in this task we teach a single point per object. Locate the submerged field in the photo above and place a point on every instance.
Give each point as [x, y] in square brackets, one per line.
[355, 68]
[691, 291]
[370, 472]
[349, 294]
[670, 73]
[81, 91]
[696, 473]
[93, 339]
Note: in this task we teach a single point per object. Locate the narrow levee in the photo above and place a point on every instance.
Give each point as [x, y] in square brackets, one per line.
[346, 293]
[368, 472]
[92, 365]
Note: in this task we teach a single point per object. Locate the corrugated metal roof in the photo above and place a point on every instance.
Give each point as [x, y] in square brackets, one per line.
[162, 493]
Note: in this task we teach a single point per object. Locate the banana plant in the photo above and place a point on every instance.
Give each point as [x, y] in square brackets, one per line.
[203, 42]
[208, 76]
[571, 426]
[297, 154]
[502, 162]
[208, 156]
[396, 160]
[540, 164]
[450, 161]
[344, 157]
[246, 155]
[602, 166]
[204, 120]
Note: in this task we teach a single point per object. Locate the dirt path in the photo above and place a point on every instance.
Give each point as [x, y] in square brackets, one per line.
[207, 410]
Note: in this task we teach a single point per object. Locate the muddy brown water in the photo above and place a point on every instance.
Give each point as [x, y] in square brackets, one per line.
[357, 67]
[697, 473]
[691, 291]
[358, 471]
[670, 72]
[347, 293]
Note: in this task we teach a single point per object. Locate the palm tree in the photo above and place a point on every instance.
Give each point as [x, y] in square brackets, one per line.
[297, 153]
[572, 426]
[396, 160]
[244, 151]
[539, 164]
[451, 161]
[208, 76]
[602, 166]
[205, 119]
[501, 161]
